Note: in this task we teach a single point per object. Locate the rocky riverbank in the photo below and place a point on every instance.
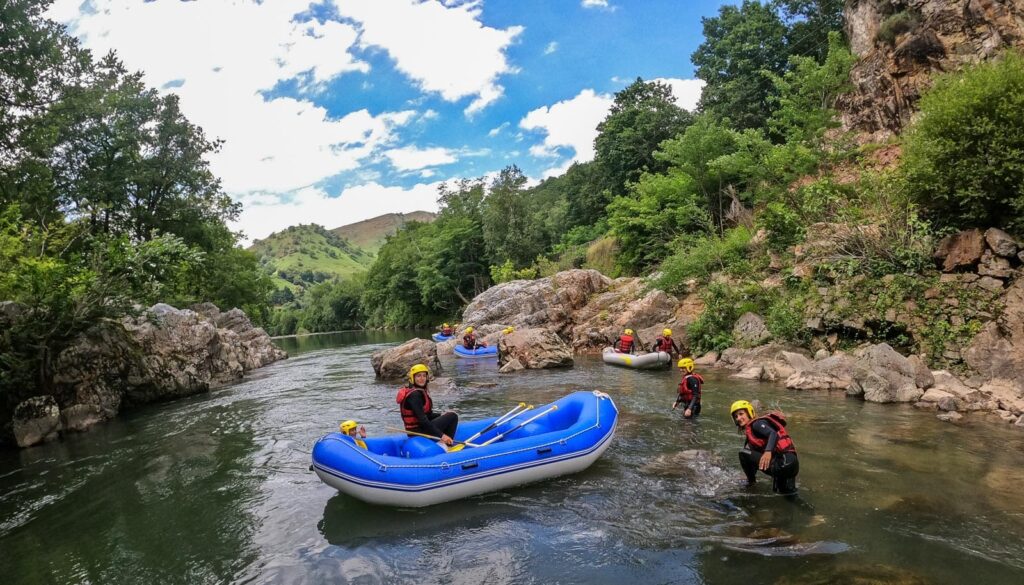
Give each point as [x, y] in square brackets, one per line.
[975, 296]
[162, 354]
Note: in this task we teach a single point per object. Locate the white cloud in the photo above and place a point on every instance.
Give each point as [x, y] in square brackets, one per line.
[551, 48]
[595, 4]
[687, 91]
[224, 54]
[264, 214]
[495, 131]
[411, 158]
[445, 49]
[571, 123]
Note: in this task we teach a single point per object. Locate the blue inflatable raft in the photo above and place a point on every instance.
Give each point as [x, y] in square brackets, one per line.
[397, 470]
[480, 352]
[438, 337]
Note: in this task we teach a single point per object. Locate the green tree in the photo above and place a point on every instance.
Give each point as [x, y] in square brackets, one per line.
[811, 22]
[508, 227]
[742, 45]
[964, 157]
[643, 115]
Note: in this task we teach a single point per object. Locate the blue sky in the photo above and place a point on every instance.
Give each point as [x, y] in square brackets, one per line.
[340, 110]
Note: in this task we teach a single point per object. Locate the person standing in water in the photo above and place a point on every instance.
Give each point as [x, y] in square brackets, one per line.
[690, 388]
[768, 448]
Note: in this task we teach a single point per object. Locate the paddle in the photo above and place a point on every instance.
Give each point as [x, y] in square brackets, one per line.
[517, 427]
[457, 445]
[503, 418]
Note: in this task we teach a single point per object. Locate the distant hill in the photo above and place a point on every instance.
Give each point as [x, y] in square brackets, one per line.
[302, 255]
[369, 234]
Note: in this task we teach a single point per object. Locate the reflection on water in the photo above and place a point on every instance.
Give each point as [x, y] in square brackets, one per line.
[216, 489]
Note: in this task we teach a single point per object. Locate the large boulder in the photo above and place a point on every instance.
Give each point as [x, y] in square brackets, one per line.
[1001, 242]
[892, 377]
[627, 303]
[394, 363]
[534, 349]
[36, 420]
[545, 302]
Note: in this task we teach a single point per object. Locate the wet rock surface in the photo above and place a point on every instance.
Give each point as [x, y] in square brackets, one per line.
[394, 363]
[533, 349]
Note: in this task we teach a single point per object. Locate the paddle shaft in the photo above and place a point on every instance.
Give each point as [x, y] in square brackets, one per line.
[501, 419]
[424, 435]
[519, 426]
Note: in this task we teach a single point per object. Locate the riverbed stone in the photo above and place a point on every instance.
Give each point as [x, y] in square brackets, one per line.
[708, 359]
[81, 417]
[36, 420]
[394, 363]
[952, 416]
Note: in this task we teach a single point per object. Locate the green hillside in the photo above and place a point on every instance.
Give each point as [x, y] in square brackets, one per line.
[302, 255]
[369, 234]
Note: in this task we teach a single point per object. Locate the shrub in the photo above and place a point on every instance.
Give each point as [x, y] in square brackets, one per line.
[703, 256]
[712, 331]
[507, 271]
[964, 158]
[895, 25]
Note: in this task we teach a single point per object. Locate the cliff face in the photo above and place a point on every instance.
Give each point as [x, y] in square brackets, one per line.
[901, 44]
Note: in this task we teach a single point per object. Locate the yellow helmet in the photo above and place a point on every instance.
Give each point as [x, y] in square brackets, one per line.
[348, 426]
[666, 332]
[469, 329]
[742, 405]
[629, 332]
[416, 370]
[686, 364]
[446, 325]
[508, 330]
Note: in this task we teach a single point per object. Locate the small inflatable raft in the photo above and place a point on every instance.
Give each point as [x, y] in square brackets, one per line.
[480, 352]
[439, 337]
[397, 470]
[644, 361]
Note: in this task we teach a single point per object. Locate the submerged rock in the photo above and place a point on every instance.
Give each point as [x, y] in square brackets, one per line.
[36, 420]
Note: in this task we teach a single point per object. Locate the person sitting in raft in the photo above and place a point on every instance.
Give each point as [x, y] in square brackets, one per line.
[418, 410]
[626, 342]
[469, 340]
[447, 330]
[689, 389]
[665, 343]
[768, 447]
[353, 429]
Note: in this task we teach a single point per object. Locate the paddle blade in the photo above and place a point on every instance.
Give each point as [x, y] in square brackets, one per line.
[456, 447]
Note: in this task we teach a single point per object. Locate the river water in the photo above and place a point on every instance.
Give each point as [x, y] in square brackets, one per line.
[217, 489]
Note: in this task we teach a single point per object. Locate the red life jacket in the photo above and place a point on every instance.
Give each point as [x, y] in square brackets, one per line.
[784, 443]
[447, 331]
[469, 341]
[625, 344]
[684, 389]
[408, 417]
[664, 344]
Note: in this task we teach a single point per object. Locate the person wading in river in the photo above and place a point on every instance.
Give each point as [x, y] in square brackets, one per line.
[665, 343]
[689, 389]
[626, 343]
[418, 410]
[768, 448]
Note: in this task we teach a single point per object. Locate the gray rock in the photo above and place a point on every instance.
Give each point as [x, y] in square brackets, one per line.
[952, 416]
[534, 349]
[512, 365]
[922, 374]
[990, 284]
[994, 266]
[394, 363]
[1001, 242]
[80, 417]
[36, 420]
[750, 330]
[708, 359]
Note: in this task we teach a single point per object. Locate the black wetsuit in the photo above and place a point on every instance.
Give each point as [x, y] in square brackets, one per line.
[694, 405]
[431, 423]
[783, 467]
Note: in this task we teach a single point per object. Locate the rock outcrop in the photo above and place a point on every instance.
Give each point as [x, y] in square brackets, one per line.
[394, 363]
[163, 353]
[582, 307]
[901, 44]
[532, 349]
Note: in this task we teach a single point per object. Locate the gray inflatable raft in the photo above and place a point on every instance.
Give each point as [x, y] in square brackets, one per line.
[644, 361]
